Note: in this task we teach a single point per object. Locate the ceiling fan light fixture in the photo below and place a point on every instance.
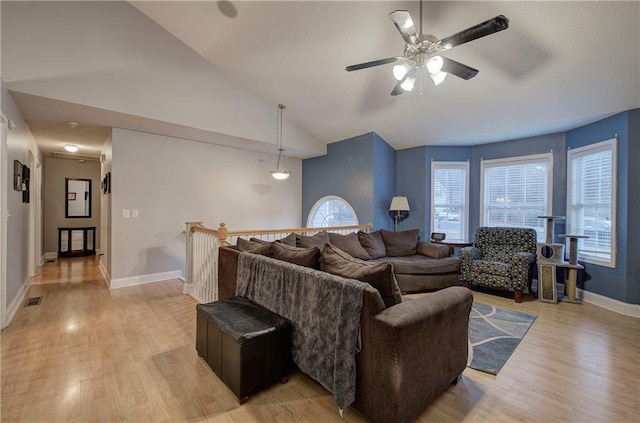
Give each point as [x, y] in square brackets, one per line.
[438, 77]
[408, 83]
[399, 71]
[434, 65]
[71, 148]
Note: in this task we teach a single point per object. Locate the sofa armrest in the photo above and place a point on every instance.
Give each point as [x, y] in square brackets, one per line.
[418, 348]
[433, 250]
[227, 271]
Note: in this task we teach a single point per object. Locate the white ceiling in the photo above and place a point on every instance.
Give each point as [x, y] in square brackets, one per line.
[559, 65]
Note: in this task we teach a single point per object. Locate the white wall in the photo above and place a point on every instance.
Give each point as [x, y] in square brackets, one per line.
[19, 143]
[111, 56]
[171, 181]
[55, 171]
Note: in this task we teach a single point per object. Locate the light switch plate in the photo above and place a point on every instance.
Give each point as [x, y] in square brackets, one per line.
[134, 213]
[126, 213]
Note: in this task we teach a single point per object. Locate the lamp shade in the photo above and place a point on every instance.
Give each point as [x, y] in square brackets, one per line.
[399, 204]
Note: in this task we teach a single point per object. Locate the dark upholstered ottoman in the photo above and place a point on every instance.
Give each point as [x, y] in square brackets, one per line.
[246, 345]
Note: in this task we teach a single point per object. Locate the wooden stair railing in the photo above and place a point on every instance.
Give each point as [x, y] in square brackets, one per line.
[201, 265]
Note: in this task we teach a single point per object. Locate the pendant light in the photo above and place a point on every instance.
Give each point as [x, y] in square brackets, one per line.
[280, 173]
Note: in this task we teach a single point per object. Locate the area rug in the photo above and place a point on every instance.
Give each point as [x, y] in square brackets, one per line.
[494, 334]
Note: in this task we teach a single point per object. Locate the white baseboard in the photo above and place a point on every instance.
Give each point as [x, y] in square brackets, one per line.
[12, 309]
[627, 309]
[51, 255]
[42, 260]
[142, 279]
[105, 274]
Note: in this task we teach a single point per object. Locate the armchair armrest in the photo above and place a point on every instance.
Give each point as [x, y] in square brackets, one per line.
[467, 255]
[522, 264]
[433, 250]
[418, 348]
[524, 258]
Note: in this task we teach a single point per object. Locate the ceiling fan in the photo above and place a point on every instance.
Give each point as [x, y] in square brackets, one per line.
[421, 51]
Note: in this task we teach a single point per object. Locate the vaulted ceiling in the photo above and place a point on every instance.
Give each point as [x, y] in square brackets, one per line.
[559, 65]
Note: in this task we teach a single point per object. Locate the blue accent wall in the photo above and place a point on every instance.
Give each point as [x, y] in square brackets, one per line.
[411, 182]
[346, 171]
[384, 182]
[633, 222]
[610, 282]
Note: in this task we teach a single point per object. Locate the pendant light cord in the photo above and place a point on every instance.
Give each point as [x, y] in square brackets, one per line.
[281, 107]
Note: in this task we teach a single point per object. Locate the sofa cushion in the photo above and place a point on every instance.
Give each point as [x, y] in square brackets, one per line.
[288, 240]
[400, 244]
[318, 240]
[350, 244]
[307, 257]
[372, 243]
[378, 275]
[421, 265]
[263, 248]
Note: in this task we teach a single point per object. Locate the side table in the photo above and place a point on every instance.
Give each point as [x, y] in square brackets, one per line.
[453, 245]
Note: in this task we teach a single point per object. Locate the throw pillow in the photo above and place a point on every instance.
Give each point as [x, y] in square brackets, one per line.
[259, 241]
[288, 240]
[307, 257]
[261, 248]
[373, 244]
[318, 240]
[378, 275]
[399, 244]
[350, 244]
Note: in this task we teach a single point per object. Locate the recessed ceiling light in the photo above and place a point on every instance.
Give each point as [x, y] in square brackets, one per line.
[71, 148]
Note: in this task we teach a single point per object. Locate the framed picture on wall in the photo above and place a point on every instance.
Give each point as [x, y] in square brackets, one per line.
[17, 175]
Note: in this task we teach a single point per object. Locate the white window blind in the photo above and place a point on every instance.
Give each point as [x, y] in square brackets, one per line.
[449, 199]
[331, 211]
[591, 201]
[515, 191]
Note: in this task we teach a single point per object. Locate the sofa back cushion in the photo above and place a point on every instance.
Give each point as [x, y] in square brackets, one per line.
[373, 244]
[262, 248]
[318, 240]
[400, 244]
[288, 240]
[350, 244]
[307, 257]
[378, 275]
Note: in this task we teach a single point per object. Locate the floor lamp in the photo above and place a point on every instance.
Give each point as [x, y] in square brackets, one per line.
[399, 210]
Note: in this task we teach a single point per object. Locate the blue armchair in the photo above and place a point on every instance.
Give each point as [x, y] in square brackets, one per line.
[500, 258]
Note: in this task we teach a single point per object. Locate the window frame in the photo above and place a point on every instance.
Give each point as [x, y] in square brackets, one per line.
[610, 144]
[463, 165]
[513, 161]
[320, 202]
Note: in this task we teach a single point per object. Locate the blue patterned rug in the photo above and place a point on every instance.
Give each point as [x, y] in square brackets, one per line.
[494, 334]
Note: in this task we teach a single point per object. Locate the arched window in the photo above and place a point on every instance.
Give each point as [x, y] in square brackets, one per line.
[331, 211]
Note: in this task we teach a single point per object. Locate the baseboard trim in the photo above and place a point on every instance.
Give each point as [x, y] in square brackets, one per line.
[51, 255]
[105, 274]
[627, 309]
[142, 279]
[42, 260]
[12, 309]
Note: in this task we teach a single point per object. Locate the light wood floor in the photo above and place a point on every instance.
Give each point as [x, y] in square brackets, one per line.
[89, 354]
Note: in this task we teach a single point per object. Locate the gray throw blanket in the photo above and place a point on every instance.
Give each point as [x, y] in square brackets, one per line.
[325, 313]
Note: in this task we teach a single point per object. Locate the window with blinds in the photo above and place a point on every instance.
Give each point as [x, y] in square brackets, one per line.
[449, 199]
[515, 191]
[591, 201]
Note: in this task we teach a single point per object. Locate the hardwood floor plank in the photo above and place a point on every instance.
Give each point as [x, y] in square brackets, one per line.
[90, 354]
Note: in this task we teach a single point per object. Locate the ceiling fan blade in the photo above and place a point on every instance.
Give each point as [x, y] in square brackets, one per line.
[404, 23]
[458, 69]
[372, 64]
[480, 30]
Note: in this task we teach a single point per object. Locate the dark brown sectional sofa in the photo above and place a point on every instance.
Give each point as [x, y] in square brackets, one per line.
[412, 350]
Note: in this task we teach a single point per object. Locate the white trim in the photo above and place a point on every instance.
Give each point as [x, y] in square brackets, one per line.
[105, 274]
[512, 161]
[4, 215]
[12, 309]
[464, 165]
[627, 309]
[601, 146]
[142, 279]
[50, 255]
